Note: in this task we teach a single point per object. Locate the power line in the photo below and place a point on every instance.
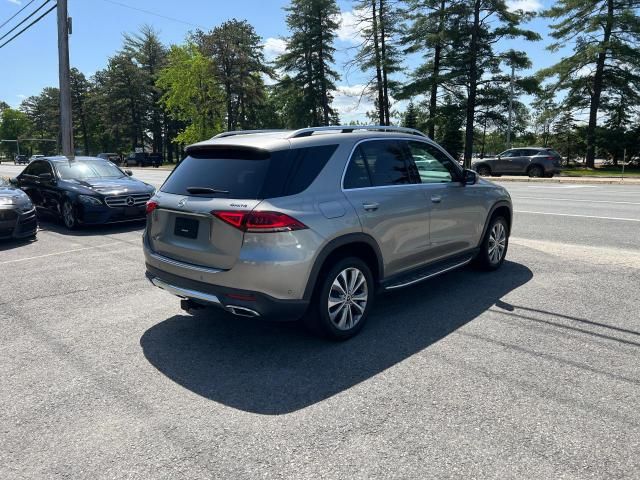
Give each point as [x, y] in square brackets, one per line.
[16, 14]
[30, 25]
[148, 12]
[25, 19]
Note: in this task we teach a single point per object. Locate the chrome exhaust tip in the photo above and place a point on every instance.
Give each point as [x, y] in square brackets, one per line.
[242, 311]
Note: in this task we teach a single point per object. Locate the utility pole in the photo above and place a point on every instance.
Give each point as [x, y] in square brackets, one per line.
[513, 73]
[66, 124]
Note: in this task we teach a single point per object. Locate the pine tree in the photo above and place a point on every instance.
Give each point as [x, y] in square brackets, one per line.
[378, 24]
[309, 58]
[238, 57]
[605, 36]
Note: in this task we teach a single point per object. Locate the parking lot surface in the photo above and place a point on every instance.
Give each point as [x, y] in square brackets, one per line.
[528, 372]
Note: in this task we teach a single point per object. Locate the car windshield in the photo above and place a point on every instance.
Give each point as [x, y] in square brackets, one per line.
[83, 170]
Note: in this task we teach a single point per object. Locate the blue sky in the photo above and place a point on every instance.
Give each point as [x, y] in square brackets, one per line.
[29, 63]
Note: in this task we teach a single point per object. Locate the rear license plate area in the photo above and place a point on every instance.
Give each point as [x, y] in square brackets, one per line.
[186, 227]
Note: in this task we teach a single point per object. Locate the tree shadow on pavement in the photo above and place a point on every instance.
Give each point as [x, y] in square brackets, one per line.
[277, 368]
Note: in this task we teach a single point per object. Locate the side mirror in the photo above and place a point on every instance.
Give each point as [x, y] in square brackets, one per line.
[128, 172]
[13, 180]
[470, 177]
[45, 177]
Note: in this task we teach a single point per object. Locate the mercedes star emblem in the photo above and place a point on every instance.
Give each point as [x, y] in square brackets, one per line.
[130, 201]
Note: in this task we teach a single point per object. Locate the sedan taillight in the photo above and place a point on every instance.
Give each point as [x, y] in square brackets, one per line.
[259, 222]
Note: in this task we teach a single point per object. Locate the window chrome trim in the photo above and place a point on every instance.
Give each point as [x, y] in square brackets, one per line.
[421, 140]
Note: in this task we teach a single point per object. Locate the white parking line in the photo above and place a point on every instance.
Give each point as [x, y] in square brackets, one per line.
[579, 200]
[60, 253]
[581, 216]
[562, 187]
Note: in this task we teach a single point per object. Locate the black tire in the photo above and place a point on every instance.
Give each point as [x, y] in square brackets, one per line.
[535, 171]
[68, 215]
[484, 171]
[486, 259]
[319, 319]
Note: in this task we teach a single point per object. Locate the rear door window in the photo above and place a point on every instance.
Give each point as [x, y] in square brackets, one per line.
[386, 162]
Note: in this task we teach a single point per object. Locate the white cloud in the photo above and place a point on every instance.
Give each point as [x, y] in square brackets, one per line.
[585, 71]
[524, 5]
[351, 104]
[350, 25]
[15, 2]
[273, 47]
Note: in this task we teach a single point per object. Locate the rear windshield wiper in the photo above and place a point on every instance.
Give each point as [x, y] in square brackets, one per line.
[205, 190]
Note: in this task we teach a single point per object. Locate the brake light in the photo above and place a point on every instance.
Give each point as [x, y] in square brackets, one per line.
[151, 206]
[260, 222]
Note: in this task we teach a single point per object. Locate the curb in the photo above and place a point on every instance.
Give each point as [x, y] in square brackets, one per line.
[596, 181]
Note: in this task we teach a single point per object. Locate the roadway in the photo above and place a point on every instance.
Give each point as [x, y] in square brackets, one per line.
[528, 372]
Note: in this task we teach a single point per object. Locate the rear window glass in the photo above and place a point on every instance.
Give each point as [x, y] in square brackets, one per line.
[249, 173]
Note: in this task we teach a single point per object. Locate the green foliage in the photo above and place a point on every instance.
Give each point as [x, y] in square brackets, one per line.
[191, 93]
[308, 61]
[238, 59]
[14, 124]
[604, 35]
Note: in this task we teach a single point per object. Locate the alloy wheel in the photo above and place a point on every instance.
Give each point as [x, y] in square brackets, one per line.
[497, 243]
[348, 298]
[67, 215]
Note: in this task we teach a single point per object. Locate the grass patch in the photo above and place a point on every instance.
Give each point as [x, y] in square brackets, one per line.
[600, 172]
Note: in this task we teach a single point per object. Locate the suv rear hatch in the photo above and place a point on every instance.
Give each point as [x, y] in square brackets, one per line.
[195, 219]
[182, 226]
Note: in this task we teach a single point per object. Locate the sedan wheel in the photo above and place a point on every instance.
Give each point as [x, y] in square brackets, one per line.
[68, 215]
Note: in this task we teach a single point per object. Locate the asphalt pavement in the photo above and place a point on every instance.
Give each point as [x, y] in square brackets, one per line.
[528, 372]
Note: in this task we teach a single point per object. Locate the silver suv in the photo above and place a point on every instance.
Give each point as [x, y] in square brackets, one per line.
[313, 223]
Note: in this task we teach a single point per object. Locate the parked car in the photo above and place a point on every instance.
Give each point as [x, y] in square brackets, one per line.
[312, 223]
[20, 160]
[112, 157]
[17, 213]
[85, 190]
[144, 159]
[35, 157]
[532, 161]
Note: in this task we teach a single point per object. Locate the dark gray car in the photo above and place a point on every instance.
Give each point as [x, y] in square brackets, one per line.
[532, 161]
[17, 213]
[313, 223]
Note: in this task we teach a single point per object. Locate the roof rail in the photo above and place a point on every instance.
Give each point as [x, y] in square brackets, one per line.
[305, 132]
[246, 132]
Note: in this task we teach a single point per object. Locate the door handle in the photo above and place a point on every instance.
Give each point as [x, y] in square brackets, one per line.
[370, 207]
[436, 198]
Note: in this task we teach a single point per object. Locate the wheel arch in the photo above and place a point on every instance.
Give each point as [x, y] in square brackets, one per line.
[500, 207]
[358, 245]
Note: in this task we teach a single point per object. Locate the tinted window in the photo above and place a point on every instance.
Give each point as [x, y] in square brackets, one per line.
[433, 165]
[249, 173]
[79, 170]
[509, 153]
[36, 168]
[357, 175]
[305, 165]
[386, 163]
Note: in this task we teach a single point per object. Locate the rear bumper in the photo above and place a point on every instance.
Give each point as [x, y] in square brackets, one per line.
[244, 303]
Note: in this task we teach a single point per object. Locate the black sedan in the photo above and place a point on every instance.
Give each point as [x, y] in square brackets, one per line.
[17, 214]
[84, 190]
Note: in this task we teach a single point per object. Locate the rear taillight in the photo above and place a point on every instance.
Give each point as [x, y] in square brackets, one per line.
[151, 206]
[260, 222]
